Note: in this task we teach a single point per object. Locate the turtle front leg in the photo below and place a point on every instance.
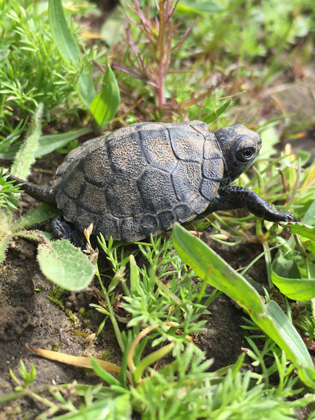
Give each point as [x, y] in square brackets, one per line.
[65, 230]
[229, 198]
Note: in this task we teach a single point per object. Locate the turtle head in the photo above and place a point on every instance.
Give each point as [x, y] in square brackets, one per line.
[239, 146]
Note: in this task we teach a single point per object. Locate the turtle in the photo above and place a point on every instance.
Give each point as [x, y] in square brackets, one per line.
[142, 178]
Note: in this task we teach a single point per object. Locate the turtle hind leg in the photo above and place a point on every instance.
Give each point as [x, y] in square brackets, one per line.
[66, 230]
[229, 198]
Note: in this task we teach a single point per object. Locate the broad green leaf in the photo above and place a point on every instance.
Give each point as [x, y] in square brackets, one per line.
[33, 217]
[25, 157]
[47, 144]
[61, 33]
[298, 288]
[69, 50]
[304, 156]
[307, 376]
[198, 7]
[277, 325]
[270, 318]
[106, 103]
[86, 88]
[212, 117]
[65, 265]
[207, 264]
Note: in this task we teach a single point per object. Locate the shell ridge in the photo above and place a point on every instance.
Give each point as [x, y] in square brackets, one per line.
[197, 131]
[143, 150]
[171, 143]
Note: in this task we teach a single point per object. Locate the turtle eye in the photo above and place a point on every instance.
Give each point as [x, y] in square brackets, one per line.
[245, 154]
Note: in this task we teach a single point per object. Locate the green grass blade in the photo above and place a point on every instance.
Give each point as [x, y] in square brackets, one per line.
[106, 104]
[212, 117]
[134, 276]
[206, 263]
[278, 326]
[103, 374]
[150, 359]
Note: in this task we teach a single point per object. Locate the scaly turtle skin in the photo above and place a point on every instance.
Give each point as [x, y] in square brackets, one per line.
[143, 178]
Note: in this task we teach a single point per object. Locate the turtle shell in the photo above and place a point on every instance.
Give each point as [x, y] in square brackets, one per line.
[140, 179]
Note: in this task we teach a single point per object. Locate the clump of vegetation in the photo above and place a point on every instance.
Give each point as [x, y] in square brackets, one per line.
[174, 68]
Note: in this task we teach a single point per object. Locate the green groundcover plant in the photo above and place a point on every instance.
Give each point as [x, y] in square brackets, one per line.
[168, 69]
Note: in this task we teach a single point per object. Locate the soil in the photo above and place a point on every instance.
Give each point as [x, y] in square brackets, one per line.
[28, 316]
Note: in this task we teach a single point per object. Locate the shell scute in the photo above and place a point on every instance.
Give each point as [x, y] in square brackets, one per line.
[131, 229]
[201, 127]
[70, 211]
[209, 188]
[150, 224]
[96, 167]
[72, 184]
[108, 226]
[84, 219]
[123, 197]
[184, 213]
[157, 148]
[211, 148]
[157, 190]
[186, 179]
[199, 203]
[167, 219]
[126, 156]
[187, 145]
[93, 199]
[213, 169]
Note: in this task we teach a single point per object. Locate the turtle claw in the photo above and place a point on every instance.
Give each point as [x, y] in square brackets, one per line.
[289, 217]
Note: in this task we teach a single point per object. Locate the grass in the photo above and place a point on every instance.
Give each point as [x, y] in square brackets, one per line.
[169, 70]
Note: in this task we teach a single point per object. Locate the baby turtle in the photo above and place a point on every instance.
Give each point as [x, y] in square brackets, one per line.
[143, 178]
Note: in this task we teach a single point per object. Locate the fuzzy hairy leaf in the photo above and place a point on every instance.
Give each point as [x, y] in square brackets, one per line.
[65, 265]
[25, 157]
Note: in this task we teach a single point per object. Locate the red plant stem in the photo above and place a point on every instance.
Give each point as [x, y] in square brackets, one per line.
[160, 57]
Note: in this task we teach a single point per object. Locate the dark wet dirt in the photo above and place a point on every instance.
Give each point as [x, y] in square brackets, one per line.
[28, 316]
